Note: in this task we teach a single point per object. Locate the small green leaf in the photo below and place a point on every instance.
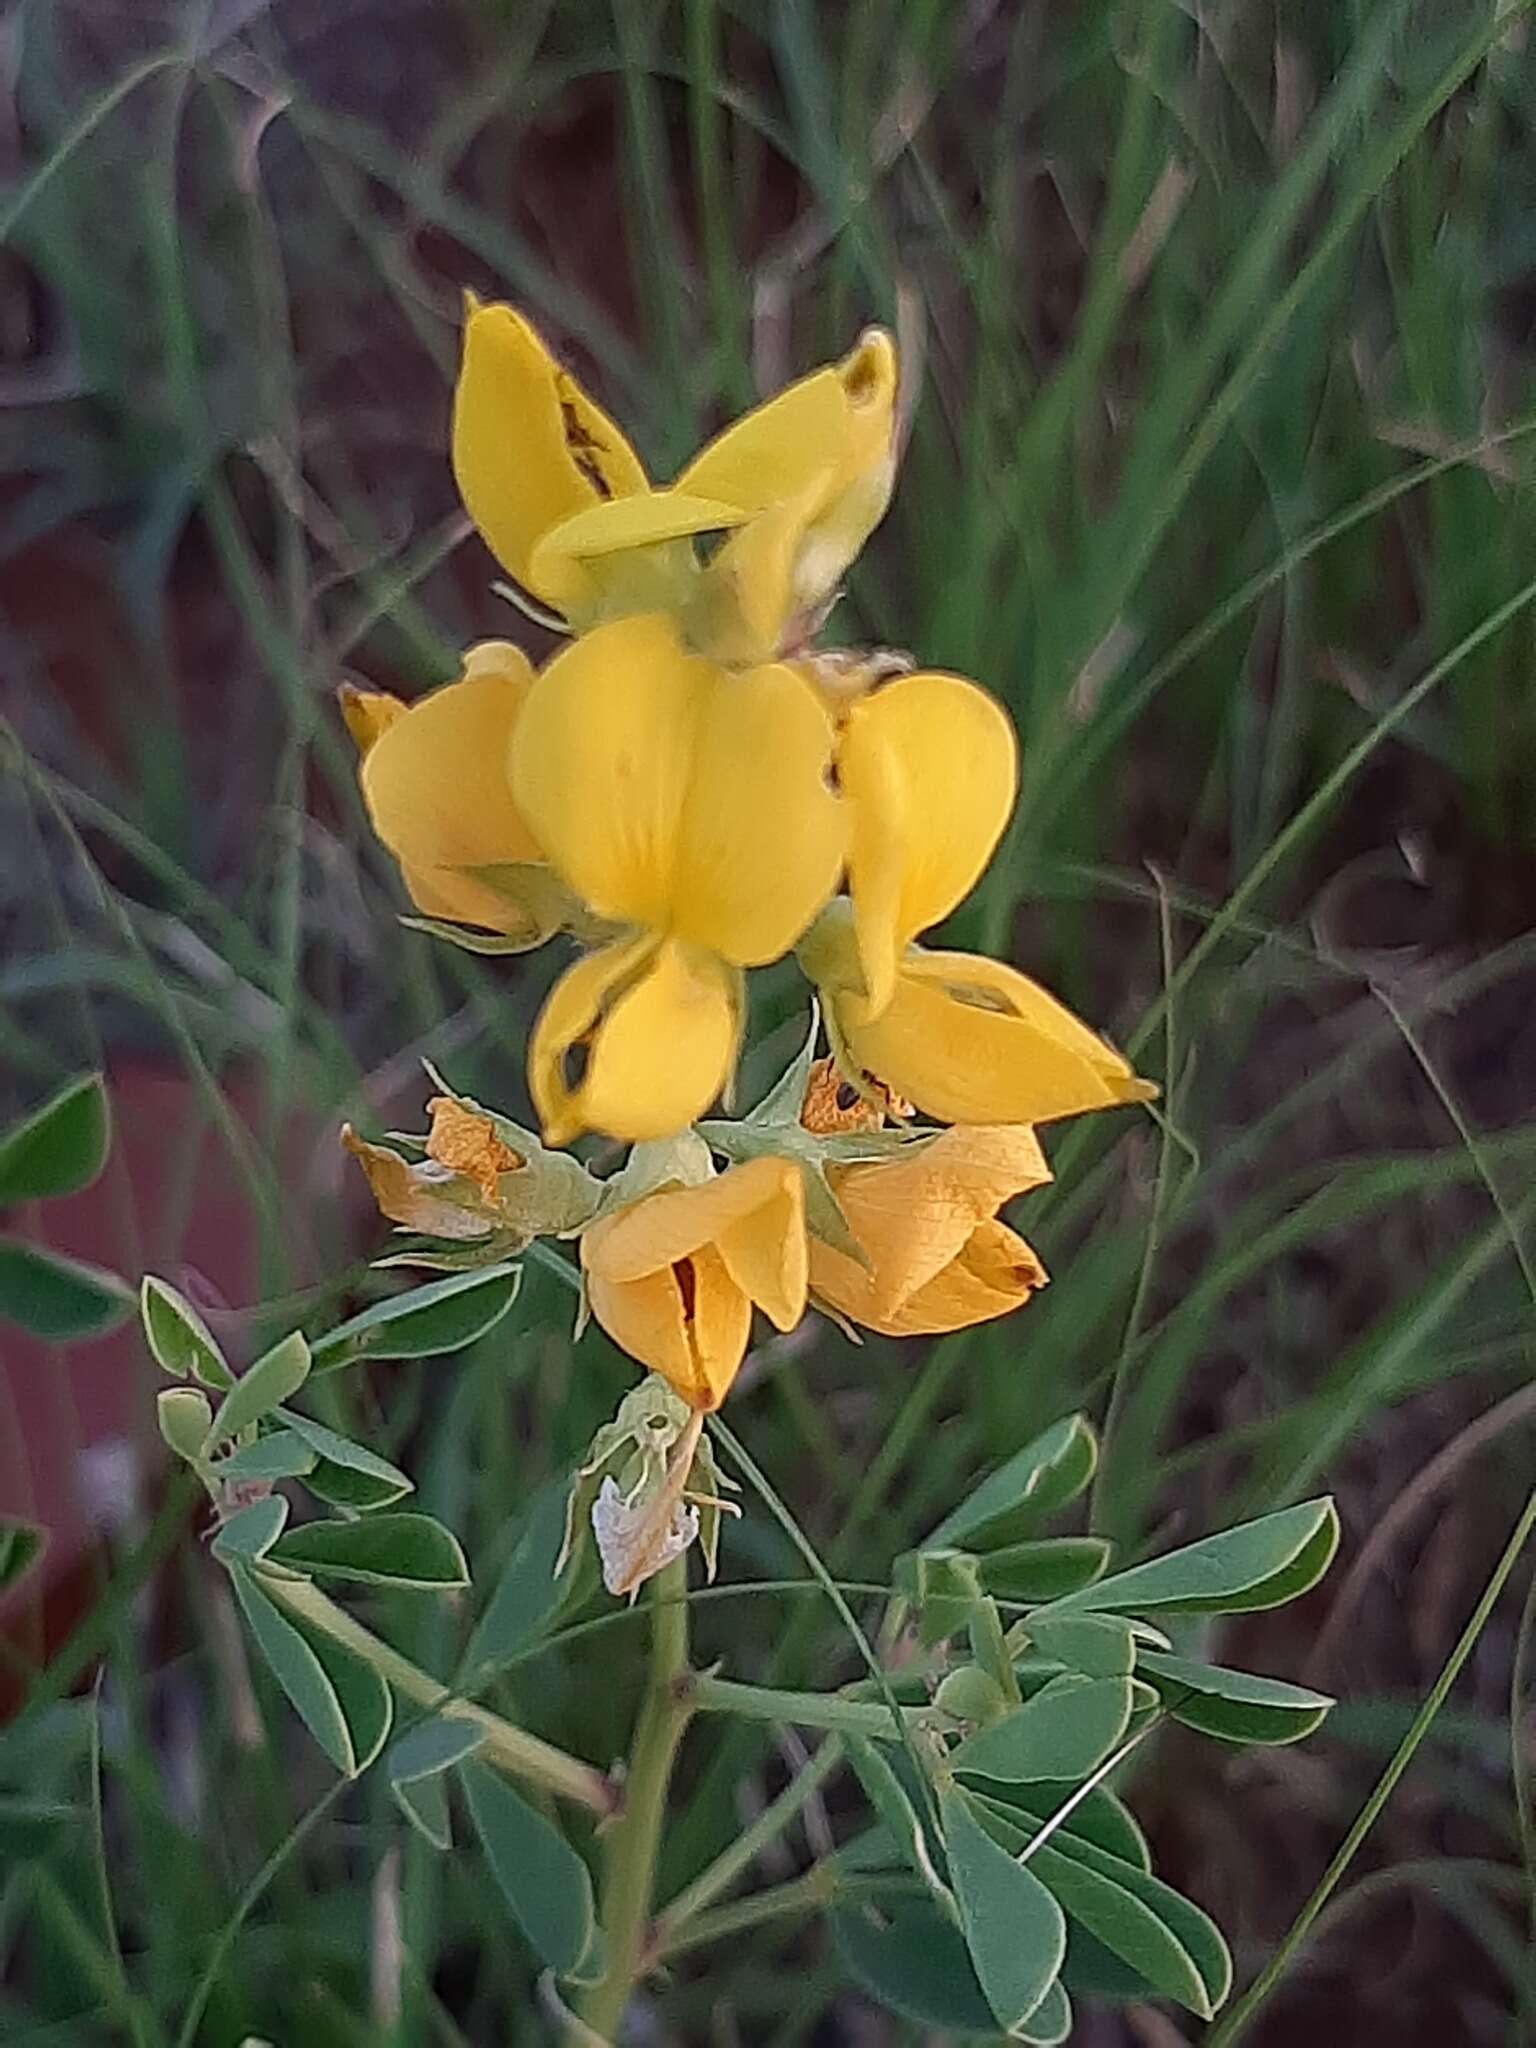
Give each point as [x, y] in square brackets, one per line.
[1044, 1570]
[913, 1958]
[250, 1532]
[279, 1455]
[1043, 1476]
[1064, 1732]
[383, 1550]
[1234, 1706]
[59, 1299]
[1100, 1644]
[1256, 1565]
[416, 1765]
[1126, 1925]
[274, 1376]
[1013, 1927]
[943, 1585]
[1095, 1816]
[60, 1148]
[347, 1475]
[527, 1595]
[184, 1415]
[491, 944]
[180, 1342]
[294, 1664]
[1051, 2021]
[1195, 1931]
[545, 1882]
[21, 1545]
[445, 1315]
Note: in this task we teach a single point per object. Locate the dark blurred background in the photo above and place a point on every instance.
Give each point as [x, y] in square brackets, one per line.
[1219, 320]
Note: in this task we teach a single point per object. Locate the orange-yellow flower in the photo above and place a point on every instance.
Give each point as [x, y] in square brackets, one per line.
[926, 1219]
[435, 777]
[565, 505]
[673, 1278]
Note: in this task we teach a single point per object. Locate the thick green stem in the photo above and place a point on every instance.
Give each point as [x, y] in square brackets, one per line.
[629, 1864]
[802, 1709]
[512, 1750]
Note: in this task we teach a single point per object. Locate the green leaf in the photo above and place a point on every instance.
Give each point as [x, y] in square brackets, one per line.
[343, 1702]
[1100, 1644]
[28, 1826]
[21, 1545]
[1051, 2021]
[445, 1315]
[60, 1148]
[279, 1455]
[545, 1882]
[250, 1532]
[274, 1376]
[180, 1342]
[1096, 1817]
[1013, 1927]
[298, 1670]
[1195, 1931]
[1065, 1731]
[527, 1595]
[184, 1415]
[943, 1585]
[1043, 1476]
[384, 1550]
[347, 1475]
[1234, 1706]
[913, 1958]
[888, 1796]
[1256, 1565]
[59, 1299]
[1141, 1920]
[416, 1765]
[1044, 1570]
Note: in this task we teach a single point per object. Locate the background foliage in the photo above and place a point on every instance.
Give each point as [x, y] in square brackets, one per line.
[1218, 474]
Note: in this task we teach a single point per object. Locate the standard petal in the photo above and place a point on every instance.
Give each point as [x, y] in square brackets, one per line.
[603, 762]
[670, 794]
[436, 784]
[836, 423]
[651, 1029]
[929, 766]
[530, 447]
[970, 1040]
[762, 835]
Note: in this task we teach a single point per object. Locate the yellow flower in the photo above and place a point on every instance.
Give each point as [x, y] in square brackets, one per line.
[564, 503]
[673, 1278]
[927, 1221]
[434, 775]
[693, 808]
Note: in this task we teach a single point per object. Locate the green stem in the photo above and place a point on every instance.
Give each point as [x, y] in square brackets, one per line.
[629, 1863]
[734, 1861]
[511, 1749]
[812, 1892]
[802, 1709]
[1240, 2014]
[991, 1650]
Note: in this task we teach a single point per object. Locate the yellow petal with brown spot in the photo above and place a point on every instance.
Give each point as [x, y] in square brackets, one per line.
[530, 448]
[635, 1040]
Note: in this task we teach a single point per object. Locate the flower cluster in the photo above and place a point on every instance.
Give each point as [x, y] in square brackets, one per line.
[690, 789]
